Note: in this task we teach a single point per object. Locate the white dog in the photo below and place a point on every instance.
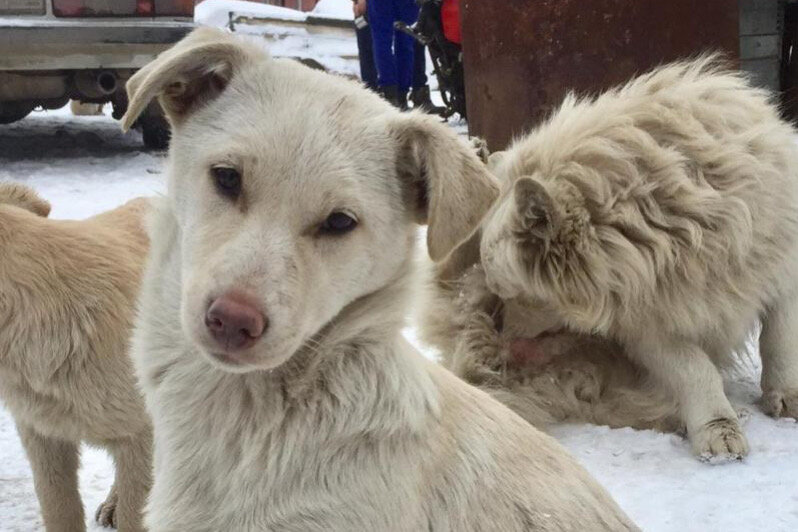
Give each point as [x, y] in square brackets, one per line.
[268, 342]
[662, 216]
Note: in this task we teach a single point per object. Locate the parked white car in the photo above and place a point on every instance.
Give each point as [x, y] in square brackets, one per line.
[55, 50]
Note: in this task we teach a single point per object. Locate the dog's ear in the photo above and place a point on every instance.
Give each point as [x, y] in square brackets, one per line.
[460, 259]
[537, 214]
[194, 71]
[450, 189]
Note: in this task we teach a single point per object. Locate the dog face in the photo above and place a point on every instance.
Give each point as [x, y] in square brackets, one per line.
[287, 222]
[539, 243]
[296, 194]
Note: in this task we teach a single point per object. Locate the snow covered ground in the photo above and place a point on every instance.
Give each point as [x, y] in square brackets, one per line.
[336, 49]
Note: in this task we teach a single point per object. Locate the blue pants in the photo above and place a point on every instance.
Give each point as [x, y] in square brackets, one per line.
[365, 52]
[393, 50]
[368, 67]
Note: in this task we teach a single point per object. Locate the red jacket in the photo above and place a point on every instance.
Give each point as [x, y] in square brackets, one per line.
[450, 17]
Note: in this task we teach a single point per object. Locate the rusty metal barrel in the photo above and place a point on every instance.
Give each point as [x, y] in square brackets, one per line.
[522, 56]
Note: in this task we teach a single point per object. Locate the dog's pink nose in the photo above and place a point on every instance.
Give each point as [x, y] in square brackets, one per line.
[234, 322]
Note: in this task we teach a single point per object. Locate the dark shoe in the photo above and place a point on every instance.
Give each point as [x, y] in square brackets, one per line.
[396, 98]
[422, 101]
[401, 101]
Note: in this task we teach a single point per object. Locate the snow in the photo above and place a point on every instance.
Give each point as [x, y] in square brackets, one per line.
[336, 49]
[84, 165]
[341, 9]
[655, 478]
[217, 12]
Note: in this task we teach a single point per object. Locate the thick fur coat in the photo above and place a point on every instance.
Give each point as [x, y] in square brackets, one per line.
[661, 218]
[67, 296]
[325, 418]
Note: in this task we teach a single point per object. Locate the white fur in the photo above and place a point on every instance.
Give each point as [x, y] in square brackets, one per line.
[662, 216]
[334, 423]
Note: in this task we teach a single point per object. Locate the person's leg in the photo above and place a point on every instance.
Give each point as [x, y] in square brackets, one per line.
[381, 17]
[419, 66]
[420, 94]
[404, 45]
[368, 68]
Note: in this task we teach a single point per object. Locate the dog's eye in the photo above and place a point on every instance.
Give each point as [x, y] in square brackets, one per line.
[338, 223]
[227, 181]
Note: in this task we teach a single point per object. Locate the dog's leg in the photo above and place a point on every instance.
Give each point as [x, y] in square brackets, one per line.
[477, 352]
[133, 479]
[55, 477]
[106, 513]
[693, 380]
[480, 147]
[477, 349]
[778, 346]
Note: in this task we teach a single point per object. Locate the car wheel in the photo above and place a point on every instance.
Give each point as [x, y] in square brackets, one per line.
[11, 112]
[156, 134]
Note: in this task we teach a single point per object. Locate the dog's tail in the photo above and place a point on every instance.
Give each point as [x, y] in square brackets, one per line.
[23, 197]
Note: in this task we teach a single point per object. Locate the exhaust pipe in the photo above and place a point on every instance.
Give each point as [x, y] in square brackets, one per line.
[107, 82]
[92, 85]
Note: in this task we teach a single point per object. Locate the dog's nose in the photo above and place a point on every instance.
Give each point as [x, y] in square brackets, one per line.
[234, 322]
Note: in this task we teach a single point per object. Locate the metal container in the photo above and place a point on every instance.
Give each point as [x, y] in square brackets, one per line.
[522, 56]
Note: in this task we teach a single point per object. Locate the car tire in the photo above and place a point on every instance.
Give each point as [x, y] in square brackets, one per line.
[12, 112]
[155, 133]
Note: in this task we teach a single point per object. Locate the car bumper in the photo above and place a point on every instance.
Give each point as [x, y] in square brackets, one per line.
[31, 44]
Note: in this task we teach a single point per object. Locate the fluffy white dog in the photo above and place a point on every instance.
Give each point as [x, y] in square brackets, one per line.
[661, 219]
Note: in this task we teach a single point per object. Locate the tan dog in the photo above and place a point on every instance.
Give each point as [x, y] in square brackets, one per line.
[269, 340]
[662, 216]
[67, 294]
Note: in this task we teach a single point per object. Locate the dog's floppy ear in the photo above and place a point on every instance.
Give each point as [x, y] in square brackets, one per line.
[449, 186]
[461, 258]
[537, 214]
[194, 71]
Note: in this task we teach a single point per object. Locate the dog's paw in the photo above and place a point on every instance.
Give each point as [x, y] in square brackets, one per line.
[585, 384]
[780, 404]
[480, 147]
[721, 440]
[106, 513]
